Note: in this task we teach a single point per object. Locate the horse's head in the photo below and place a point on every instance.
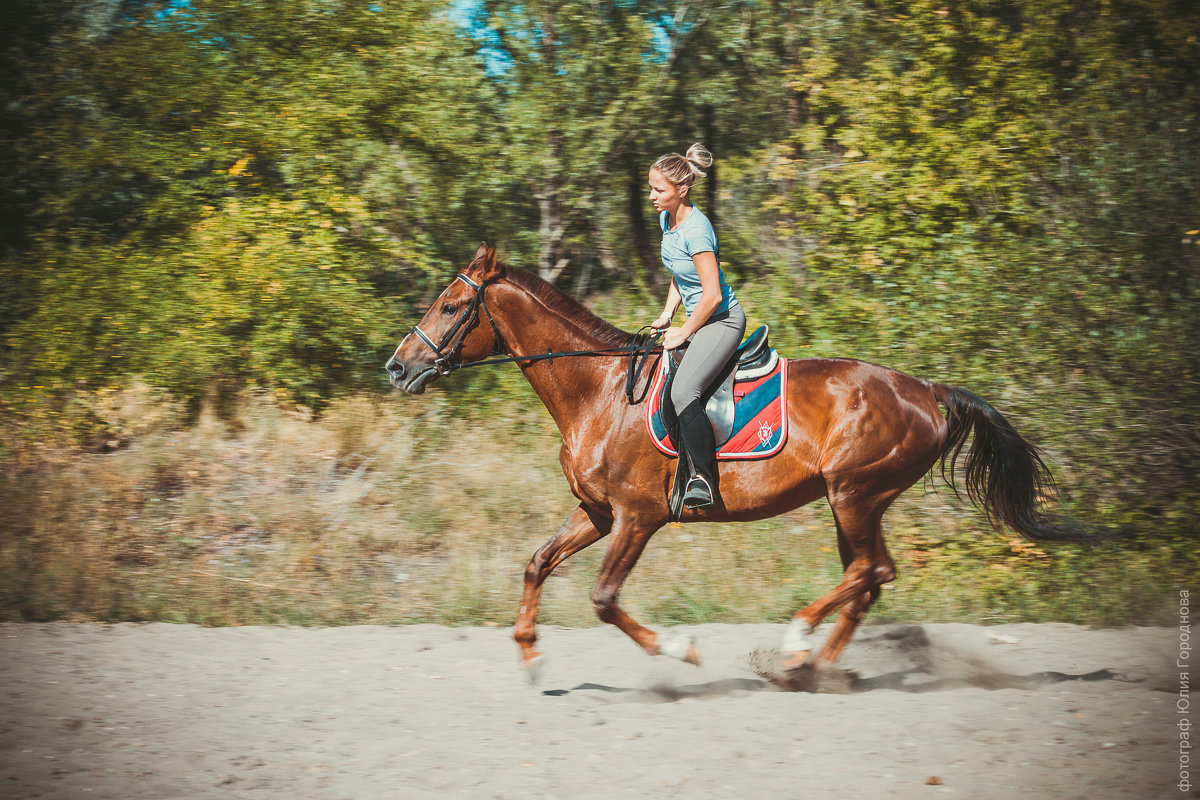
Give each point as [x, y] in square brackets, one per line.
[450, 333]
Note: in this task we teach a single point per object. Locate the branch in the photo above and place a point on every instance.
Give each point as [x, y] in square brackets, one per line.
[663, 75]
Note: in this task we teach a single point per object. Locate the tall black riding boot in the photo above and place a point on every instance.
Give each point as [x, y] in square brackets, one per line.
[697, 434]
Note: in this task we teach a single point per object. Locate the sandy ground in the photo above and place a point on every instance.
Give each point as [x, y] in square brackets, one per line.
[178, 711]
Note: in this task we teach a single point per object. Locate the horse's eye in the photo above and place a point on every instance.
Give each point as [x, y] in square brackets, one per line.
[448, 309]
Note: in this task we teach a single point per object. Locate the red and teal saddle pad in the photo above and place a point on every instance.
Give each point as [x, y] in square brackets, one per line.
[759, 416]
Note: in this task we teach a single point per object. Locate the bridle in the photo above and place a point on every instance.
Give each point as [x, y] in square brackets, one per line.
[643, 344]
[467, 320]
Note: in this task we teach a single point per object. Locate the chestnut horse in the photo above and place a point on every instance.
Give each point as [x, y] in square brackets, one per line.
[858, 435]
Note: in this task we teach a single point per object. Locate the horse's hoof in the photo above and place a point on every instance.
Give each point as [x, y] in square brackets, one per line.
[792, 661]
[533, 667]
[682, 647]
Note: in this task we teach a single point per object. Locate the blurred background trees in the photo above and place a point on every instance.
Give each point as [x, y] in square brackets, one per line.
[212, 196]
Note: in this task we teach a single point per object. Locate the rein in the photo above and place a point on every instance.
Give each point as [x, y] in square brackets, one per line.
[643, 344]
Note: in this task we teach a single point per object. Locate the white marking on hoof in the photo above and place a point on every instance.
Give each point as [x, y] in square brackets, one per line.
[796, 645]
[682, 647]
[533, 669]
[795, 636]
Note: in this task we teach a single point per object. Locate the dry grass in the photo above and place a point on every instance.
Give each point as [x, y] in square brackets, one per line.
[396, 510]
[378, 511]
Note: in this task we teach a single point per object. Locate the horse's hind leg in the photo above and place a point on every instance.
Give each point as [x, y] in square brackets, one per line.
[868, 566]
[853, 612]
[577, 532]
[847, 623]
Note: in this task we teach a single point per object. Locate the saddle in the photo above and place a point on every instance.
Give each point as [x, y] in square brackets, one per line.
[745, 406]
[753, 359]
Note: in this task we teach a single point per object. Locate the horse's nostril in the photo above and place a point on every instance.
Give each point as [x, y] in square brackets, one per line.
[395, 368]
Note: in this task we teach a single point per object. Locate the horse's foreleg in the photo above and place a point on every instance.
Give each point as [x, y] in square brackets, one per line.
[624, 549]
[577, 532]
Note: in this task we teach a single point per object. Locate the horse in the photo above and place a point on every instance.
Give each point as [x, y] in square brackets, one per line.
[859, 435]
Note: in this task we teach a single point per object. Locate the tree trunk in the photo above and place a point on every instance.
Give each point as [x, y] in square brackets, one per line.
[552, 226]
[604, 254]
[710, 189]
[635, 194]
[551, 229]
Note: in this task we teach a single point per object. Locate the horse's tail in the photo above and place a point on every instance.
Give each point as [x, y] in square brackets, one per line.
[1005, 475]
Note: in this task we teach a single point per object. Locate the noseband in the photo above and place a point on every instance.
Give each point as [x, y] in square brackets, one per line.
[450, 346]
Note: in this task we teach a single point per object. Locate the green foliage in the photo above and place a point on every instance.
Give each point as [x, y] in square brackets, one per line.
[257, 290]
[225, 195]
[1002, 196]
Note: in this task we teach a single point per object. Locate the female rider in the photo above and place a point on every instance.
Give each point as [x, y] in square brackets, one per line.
[715, 321]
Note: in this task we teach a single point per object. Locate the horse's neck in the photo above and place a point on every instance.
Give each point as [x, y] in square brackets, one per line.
[572, 387]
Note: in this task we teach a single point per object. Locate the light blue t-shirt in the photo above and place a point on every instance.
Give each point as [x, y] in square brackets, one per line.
[694, 235]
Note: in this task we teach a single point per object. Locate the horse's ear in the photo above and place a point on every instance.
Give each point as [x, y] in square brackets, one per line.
[485, 260]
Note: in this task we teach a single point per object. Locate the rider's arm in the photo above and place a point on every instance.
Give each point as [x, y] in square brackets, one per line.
[673, 301]
[710, 285]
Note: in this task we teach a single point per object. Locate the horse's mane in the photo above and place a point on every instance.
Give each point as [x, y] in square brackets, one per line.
[570, 310]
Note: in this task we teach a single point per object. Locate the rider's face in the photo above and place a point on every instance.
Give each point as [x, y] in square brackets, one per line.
[665, 195]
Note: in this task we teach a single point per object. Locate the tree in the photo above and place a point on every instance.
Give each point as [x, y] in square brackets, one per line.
[579, 82]
[229, 193]
[1006, 192]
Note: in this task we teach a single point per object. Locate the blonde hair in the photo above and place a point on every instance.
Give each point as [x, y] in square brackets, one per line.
[686, 169]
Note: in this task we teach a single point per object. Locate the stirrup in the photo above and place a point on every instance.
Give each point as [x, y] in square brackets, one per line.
[699, 493]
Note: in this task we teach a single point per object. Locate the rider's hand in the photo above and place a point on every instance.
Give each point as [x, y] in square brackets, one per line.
[661, 323]
[674, 337]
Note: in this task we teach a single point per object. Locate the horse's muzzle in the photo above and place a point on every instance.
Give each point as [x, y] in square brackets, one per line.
[411, 379]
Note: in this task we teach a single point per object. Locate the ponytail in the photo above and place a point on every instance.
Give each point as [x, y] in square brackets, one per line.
[686, 169]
